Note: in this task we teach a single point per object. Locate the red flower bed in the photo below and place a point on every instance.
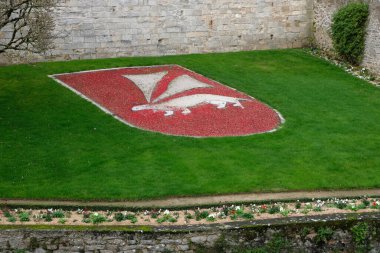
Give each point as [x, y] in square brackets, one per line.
[173, 100]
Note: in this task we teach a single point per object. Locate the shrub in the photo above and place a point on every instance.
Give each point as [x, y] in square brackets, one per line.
[86, 220]
[119, 217]
[24, 216]
[58, 214]
[189, 216]
[278, 244]
[166, 218]
[96, 218]
[62, 220]
[341, 204]
[210, 218]
[360, 233]
[247, 216]
[274, 209]
[201, 215]
[324, 235]
[348, 31]
[366, 202]
[154, 215]
[131, 217]
[7, 214]
[47, 217]
[11, 219]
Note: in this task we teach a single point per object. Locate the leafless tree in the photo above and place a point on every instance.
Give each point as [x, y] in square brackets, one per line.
[26, 25]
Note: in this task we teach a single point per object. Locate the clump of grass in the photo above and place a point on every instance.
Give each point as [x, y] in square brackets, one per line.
[97, 218]
[24, 216]
[239, 213]
[119, 217]
[47, 217]
[131, 217]
[166, 218]
[324, 234]
[274, 209]
[11, 219]
[201, 215]
[58, 214]
[188, 216]
[62, 220]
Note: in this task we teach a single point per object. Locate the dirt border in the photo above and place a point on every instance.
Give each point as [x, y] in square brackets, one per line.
[199, 201]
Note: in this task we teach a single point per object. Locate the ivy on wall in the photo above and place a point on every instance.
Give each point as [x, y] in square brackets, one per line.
[349, 30]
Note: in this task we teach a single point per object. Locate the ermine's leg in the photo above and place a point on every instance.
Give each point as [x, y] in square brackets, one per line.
[238, 104]
[169, 113]
[221, 105]
[186, 111]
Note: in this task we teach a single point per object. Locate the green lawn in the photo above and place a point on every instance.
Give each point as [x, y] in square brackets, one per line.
[56, 145]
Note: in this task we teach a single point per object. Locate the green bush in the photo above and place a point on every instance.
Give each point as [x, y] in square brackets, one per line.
[24, 216]
[324, 235]
[360, 233]
[47, 217]
[96, 218]
[348, 31]
[119, 217]
[274, 209]
[58, 214]
[201, 215]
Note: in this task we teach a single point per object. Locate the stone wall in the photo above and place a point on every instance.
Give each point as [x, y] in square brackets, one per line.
[337, 233]
[115, 28]
[323, 12]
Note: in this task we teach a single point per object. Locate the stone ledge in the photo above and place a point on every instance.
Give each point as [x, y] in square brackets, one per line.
[322, 233]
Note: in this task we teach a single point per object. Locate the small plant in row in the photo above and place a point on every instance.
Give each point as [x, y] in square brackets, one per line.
[94, 218]
[22, 216]
[354, 204]
[119, 217]
[50, 215]
[165, 216]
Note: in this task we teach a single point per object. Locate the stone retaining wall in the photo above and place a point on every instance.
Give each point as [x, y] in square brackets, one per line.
[323, 12]
[335, 233]
[115, 28]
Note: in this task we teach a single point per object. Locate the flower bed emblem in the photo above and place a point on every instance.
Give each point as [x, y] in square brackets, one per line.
[173, 100]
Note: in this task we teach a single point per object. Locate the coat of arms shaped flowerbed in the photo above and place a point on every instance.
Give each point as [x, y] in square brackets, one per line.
[173, 100]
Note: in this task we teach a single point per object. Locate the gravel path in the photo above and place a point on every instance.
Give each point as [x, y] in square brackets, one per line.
[199, 201]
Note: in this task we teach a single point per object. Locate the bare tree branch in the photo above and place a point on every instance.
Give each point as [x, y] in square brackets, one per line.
[26, 25]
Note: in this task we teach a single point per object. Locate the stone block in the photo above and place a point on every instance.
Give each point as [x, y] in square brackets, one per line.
[94, 247]
[199, 239]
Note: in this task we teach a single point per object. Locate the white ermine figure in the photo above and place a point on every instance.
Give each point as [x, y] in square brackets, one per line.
[184, 103]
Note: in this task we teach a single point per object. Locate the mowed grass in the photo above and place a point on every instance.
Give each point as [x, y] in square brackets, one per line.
[56, 145]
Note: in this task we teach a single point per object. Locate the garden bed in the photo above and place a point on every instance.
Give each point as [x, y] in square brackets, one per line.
[191, 216]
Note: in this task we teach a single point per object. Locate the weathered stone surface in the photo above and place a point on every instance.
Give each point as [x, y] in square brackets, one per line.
[117, 28]
[199, 239]
[114, 28]
[290, 235]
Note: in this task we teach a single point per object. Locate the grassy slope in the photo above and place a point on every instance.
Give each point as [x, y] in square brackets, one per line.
[53, 144]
